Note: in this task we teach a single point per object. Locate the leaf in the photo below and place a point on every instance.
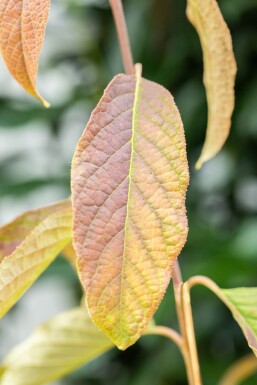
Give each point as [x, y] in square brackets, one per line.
[129, 179]
[219, 72]
[242, 302]
[55, 349]
[12, 234]
[42, 243]
[22, 29]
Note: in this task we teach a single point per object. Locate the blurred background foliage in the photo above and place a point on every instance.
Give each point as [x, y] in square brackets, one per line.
[79, 58]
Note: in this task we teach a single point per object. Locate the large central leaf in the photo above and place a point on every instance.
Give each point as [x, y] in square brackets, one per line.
[129, 179]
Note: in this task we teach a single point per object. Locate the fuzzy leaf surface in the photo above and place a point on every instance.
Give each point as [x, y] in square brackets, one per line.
[129, 180]
[22, 30]
[45, 233]
[55, 349]
[219, 72]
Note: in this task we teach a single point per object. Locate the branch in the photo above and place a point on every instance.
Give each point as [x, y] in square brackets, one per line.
[187, 329]
[120, 23]
[190, 333]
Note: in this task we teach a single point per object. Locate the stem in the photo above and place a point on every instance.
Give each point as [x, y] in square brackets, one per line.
[120, 23]
[168, 333]
[138, 69]
[178, 283]
[190, 332]
[179, 341]
[204, 281]
[240, 370]
[243, 368]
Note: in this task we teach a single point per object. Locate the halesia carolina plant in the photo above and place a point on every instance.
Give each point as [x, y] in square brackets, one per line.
[125, 224]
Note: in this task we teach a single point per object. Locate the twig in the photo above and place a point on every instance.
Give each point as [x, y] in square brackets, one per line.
[120, 23]
[190, 332]
[177, 284]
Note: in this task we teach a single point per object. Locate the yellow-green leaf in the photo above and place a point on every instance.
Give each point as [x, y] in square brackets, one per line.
[55, 349]
[45, 233]
[22, 30]
[12, 234]
[129, 180]
[242, 302]
[219, 72]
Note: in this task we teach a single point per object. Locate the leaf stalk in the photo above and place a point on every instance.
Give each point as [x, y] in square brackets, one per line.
[184, 313]
[204, 281]
[168, 333]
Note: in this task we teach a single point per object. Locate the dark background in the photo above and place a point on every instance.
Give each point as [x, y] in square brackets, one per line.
[79, 58]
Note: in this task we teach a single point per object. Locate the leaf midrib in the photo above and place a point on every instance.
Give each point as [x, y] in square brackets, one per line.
[134, 122]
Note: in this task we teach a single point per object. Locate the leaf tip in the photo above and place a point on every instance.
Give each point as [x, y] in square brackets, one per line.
[124, 344]
[199, 164]
[44, 102]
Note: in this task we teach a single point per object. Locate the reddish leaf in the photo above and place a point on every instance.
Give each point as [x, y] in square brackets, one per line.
[129, 178]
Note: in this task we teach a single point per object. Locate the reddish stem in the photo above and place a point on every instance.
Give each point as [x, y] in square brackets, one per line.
[120, 23]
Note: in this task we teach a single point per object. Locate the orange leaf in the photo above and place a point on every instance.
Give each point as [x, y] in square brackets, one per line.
[129, 179]
[219, 72]
[22, 29]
